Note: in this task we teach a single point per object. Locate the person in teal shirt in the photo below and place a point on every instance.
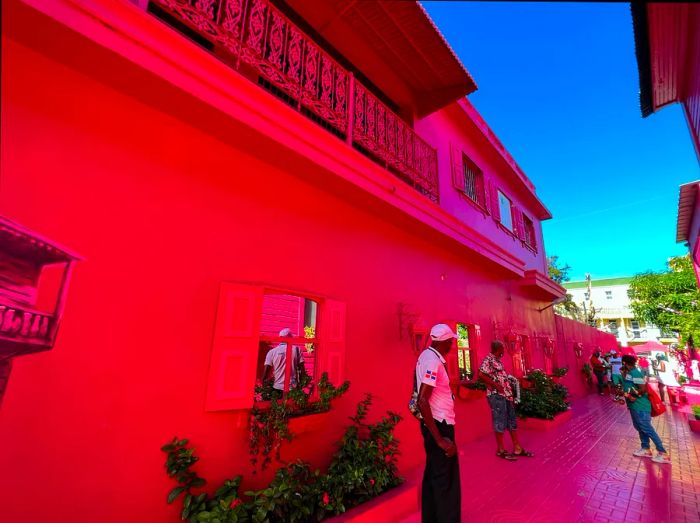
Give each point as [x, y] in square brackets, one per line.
[635, 392]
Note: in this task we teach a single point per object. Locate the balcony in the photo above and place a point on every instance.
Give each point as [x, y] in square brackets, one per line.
[259, 41]
[24, 327]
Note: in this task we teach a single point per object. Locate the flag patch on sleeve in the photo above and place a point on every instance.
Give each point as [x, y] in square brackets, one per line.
[430, 375]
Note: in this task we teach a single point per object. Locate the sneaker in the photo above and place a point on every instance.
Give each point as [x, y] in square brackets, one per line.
[643, 453]
[662, 458]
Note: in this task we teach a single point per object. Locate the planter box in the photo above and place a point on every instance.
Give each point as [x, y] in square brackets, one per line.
[393, 505]
[464, 393]
[693, 422]
[307, 423]
[544, 424]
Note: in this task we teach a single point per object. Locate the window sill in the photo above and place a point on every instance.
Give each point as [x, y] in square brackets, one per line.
[474, 204]
[506, 230]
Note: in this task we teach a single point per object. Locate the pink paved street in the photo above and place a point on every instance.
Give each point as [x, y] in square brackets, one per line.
[584, 471]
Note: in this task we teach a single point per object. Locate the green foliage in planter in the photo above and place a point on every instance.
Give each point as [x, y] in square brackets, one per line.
[696, 411]
[476, 385]
[587, 371]
[363, 467]
[269, 427]
[560, 372]
[544, 399]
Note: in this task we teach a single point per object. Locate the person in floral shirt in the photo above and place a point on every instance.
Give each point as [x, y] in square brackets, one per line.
[499, 394]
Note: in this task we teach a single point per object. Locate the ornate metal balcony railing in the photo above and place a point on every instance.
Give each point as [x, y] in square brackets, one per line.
[257, 34]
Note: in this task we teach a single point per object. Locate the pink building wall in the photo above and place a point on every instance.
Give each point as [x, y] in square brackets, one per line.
[165, 201]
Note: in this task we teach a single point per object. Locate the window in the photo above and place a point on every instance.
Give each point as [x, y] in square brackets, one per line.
[474, 182]
[608, 295]
[504, 209]
[269, 342]
[464, 353]
[636, 329]
[529, 232]
[587, 295]
[612, 327]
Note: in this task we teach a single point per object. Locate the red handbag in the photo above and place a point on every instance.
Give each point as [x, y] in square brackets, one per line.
[657, 406]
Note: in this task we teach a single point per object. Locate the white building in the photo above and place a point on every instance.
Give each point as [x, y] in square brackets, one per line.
[610, 299]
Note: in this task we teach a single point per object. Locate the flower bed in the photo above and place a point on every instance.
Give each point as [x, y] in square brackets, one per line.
[694, 418]
[543, 399]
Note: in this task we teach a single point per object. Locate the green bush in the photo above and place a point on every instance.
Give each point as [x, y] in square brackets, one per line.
[363, 467]
[560, 372]
[544, 400]
[696, 411]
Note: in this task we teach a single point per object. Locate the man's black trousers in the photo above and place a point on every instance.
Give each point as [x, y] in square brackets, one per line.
[441, 493]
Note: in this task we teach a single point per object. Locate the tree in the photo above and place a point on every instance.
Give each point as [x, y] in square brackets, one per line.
[668, 299]
[560, 274]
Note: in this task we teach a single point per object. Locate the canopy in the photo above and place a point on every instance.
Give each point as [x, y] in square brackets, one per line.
[650, 346]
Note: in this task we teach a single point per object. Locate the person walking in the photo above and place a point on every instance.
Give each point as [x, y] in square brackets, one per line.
[615, 366]
[499, 394]
[635, 393]
[441, 491]
[665, 376]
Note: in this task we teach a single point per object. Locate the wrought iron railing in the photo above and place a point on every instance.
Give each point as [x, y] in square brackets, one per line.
[258, 34]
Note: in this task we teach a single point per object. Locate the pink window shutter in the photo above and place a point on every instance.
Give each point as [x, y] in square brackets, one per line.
[493, 194]
[457, 169]
[332, 357]
[474, 332]
[234, 352]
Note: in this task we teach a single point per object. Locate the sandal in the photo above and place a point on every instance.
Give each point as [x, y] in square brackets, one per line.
[506, 455]
[524, 454]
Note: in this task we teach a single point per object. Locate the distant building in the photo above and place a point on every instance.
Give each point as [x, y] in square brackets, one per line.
[613, 313]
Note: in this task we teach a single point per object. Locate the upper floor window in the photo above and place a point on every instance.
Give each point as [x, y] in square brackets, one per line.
[505, 211]
[474, 182]
[529, 232]
[608, 295]
[636, 329]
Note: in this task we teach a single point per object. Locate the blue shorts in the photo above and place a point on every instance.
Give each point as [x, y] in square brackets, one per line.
[502, 412]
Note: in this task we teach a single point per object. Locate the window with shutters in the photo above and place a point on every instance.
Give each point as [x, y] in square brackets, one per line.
[473, 182]
[468, 341]
[529, 233]
[505, 211]
[269, 343]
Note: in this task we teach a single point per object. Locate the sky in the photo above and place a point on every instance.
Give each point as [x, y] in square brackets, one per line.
[558, 84]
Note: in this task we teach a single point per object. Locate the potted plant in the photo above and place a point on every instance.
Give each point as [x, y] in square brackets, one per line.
[694, 418]
[587, 372]
[472, 391]
[559, 373]
[543, 403]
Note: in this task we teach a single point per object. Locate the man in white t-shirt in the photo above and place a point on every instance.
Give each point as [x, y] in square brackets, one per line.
[441, 493]
[276, 362]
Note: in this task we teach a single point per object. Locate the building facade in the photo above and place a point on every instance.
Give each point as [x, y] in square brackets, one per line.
[612, 312]
[228, 170]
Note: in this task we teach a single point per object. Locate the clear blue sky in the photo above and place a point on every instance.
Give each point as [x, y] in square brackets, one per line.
[558, 84]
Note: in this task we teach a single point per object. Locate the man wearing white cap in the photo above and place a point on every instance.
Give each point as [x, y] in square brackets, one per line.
[276, 362]
[441, 494]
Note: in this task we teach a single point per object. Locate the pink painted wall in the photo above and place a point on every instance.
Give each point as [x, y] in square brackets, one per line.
[163, 210]
[691, 96]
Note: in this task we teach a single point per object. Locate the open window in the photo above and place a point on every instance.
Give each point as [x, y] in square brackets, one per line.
[270, 343]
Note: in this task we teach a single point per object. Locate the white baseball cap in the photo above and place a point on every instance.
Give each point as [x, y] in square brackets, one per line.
[286, 332]
[441, 332]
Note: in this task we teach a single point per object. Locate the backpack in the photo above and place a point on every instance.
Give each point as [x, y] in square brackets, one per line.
[657, 406]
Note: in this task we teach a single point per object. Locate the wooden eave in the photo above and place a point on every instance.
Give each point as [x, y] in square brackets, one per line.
[686, 207]
[661, 33]
[32, 246]
[392, 43]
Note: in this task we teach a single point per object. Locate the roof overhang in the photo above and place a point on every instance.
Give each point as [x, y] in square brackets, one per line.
[686, 207]
[396, 45]
[31, 245]
[661, 34]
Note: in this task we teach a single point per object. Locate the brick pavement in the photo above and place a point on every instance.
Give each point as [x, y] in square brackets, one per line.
[584, 471]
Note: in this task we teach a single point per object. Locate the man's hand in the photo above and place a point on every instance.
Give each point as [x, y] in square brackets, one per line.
[448, 446]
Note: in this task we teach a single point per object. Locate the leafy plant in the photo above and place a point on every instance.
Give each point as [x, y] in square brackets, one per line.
[544, 399]
[587, 371]
[696, 411]
[363, 467]
[560, 372]
[269, 427]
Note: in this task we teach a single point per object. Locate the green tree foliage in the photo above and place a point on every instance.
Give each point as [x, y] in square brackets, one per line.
[668, 299]
[557, 272]
[560, 273]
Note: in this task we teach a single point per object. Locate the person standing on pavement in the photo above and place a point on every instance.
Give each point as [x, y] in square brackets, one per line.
[615, 366]
[599, 370]
[635, 393]
[499, 394]
[441, 491]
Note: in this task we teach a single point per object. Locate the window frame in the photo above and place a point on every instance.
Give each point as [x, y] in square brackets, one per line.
[510, 229]
[529, 233]
[479, 182]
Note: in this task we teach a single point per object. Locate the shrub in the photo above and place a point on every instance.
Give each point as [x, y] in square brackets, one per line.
[544, 400]
[363, 467]
[560, 372]
[696, 411]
